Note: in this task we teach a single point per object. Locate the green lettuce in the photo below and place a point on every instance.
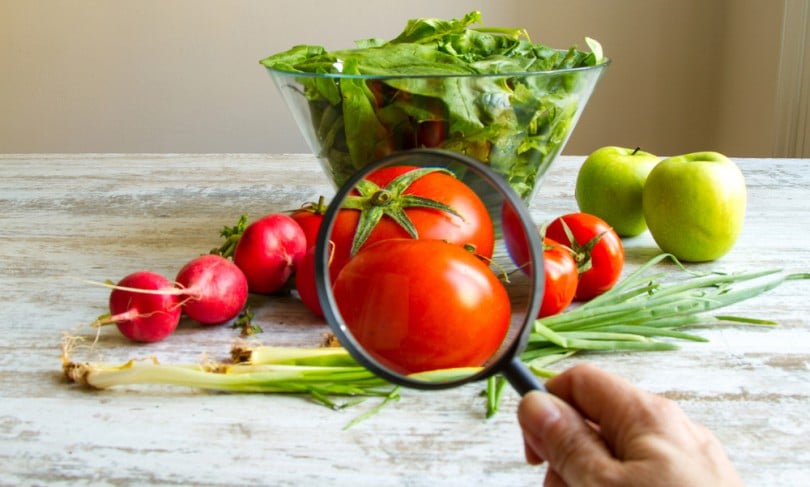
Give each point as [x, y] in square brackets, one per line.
[481, 87]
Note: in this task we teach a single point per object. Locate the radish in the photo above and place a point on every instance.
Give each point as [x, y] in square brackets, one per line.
[214, 289]
[140, 310]
[269, 251]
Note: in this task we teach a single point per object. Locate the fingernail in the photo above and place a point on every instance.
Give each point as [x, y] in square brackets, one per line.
[539, 412]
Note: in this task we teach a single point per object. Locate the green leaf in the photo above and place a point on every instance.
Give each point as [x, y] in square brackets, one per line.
[486, 115]
[375, 203]
[426, 30]
[596, 49]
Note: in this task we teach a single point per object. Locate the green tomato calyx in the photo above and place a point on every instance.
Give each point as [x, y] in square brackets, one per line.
[374, 202]
[580, 252]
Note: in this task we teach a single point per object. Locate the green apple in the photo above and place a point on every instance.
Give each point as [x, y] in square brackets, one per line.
[694, 205]
[609, 186]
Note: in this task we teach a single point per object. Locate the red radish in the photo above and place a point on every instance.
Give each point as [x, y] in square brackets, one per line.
[140, 313]
[269, 252]
[214, 289]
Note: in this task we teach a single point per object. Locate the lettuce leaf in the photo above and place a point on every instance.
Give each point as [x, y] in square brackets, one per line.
[509, 118]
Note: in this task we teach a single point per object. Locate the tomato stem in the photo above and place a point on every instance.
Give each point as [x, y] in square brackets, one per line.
[381, 198]
[375, 202]
[580, 252]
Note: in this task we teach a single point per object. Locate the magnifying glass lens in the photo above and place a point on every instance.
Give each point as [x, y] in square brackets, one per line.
[424, 269]
[417, 305]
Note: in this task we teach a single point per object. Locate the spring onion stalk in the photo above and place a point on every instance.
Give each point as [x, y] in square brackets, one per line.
[265, 355]
[644, 312]
[332, 356]
[321, 373]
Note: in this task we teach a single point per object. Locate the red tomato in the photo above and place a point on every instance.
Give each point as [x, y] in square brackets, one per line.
[515, 238]
[475, 228]
[560, 271]
[309, 218]
[561, 278]
[418, 305]
[597, 249]
[305, 283]
[431, 133]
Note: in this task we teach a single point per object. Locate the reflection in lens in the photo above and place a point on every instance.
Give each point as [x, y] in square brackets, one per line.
[517, 246]
[415, 274]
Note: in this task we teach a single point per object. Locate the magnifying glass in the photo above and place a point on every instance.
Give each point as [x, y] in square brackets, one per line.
[429, 271]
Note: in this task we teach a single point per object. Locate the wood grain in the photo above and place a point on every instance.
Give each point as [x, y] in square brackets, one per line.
[97, 217]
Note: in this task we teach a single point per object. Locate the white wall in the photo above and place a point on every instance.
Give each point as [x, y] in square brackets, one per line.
[183, 75]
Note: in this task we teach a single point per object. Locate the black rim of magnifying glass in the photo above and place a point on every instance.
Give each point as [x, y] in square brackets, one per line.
[509, 361]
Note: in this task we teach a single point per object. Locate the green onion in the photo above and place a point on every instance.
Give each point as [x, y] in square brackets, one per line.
[322, 373]
[640, 311]
[645, 311]
[264, 355]
[319, 372]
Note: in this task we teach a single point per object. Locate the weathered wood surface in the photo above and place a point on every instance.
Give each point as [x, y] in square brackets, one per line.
[99, 217]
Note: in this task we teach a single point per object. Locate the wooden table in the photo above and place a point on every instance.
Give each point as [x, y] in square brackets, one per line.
[96, 217]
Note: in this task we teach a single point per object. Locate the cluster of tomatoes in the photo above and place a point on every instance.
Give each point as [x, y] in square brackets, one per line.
[582, 256]
[411, 250]
[422, 225]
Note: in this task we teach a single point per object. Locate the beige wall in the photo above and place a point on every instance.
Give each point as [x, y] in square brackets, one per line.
[183, 75]
[687, 75]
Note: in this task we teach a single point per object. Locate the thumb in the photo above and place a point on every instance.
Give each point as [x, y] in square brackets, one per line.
[556, 433]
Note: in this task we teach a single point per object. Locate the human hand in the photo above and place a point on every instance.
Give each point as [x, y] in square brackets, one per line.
[599, 429]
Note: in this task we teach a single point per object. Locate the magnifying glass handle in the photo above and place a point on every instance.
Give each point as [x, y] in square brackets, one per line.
[521, 378]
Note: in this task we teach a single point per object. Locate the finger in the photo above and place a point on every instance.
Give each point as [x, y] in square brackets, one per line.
[588, 389]
[531, 455]
[558, 434]
[553, 479]
[619, 409]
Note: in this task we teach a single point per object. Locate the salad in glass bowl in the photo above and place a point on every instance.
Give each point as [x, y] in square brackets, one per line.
[489, 93]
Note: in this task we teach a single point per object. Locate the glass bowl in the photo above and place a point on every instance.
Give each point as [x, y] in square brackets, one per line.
[517, 123]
